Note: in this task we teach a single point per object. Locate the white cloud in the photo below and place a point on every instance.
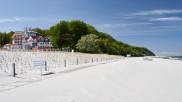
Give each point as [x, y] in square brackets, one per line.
[161, 30]
[19, 19]
[176, 27]
[122, 25]
[14, 19]
[158, 12]
[166, 19]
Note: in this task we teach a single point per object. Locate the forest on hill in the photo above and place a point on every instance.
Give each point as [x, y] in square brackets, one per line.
[84, 38]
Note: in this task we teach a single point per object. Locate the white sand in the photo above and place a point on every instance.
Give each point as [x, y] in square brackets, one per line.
[128, 80]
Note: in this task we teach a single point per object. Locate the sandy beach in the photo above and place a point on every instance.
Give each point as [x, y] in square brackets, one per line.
[125, 80]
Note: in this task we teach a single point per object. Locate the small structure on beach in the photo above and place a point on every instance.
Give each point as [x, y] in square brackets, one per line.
[128, 55]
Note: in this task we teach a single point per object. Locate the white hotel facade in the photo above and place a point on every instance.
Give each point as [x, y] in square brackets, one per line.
[29, 39]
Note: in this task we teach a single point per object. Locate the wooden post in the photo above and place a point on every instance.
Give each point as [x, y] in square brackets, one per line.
[41, 71]
[85, 60]
[45, 65]
[77, 61]
[14, 70]
[64, 63]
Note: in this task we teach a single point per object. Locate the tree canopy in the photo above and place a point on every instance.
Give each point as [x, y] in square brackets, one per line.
[89, 44]
[85, 38]
[5, 38]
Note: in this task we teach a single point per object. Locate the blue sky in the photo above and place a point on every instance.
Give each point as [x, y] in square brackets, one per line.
[155, 24]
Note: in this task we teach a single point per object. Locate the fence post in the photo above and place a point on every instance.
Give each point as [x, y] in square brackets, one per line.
[45, 65]
[77, 61]
[64, 63]
[85, 60]
[14, 72]
[41, 71]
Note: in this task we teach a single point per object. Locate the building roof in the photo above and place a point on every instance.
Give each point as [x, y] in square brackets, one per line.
[11, 45]
[20, 34]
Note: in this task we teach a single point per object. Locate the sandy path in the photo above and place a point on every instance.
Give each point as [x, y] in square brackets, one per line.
[128, 80]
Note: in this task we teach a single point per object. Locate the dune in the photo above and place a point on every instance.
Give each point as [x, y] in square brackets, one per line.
[126, 80]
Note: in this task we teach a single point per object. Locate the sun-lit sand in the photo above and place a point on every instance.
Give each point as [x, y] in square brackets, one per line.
[57, 62]
[125, 80]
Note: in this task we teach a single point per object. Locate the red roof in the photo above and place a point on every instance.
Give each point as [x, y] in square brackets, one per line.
[17, 35]
[26, 38]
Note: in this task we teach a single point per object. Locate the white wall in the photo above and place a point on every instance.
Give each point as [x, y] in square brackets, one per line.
[44, 44]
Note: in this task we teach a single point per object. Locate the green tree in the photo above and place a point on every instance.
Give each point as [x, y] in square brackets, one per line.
[77, 30]
[10, 37]
[89, 44]
[38, 30]
[42, 32]
[91, 29]
[68, 34]
[60, 34]
[5, 38]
